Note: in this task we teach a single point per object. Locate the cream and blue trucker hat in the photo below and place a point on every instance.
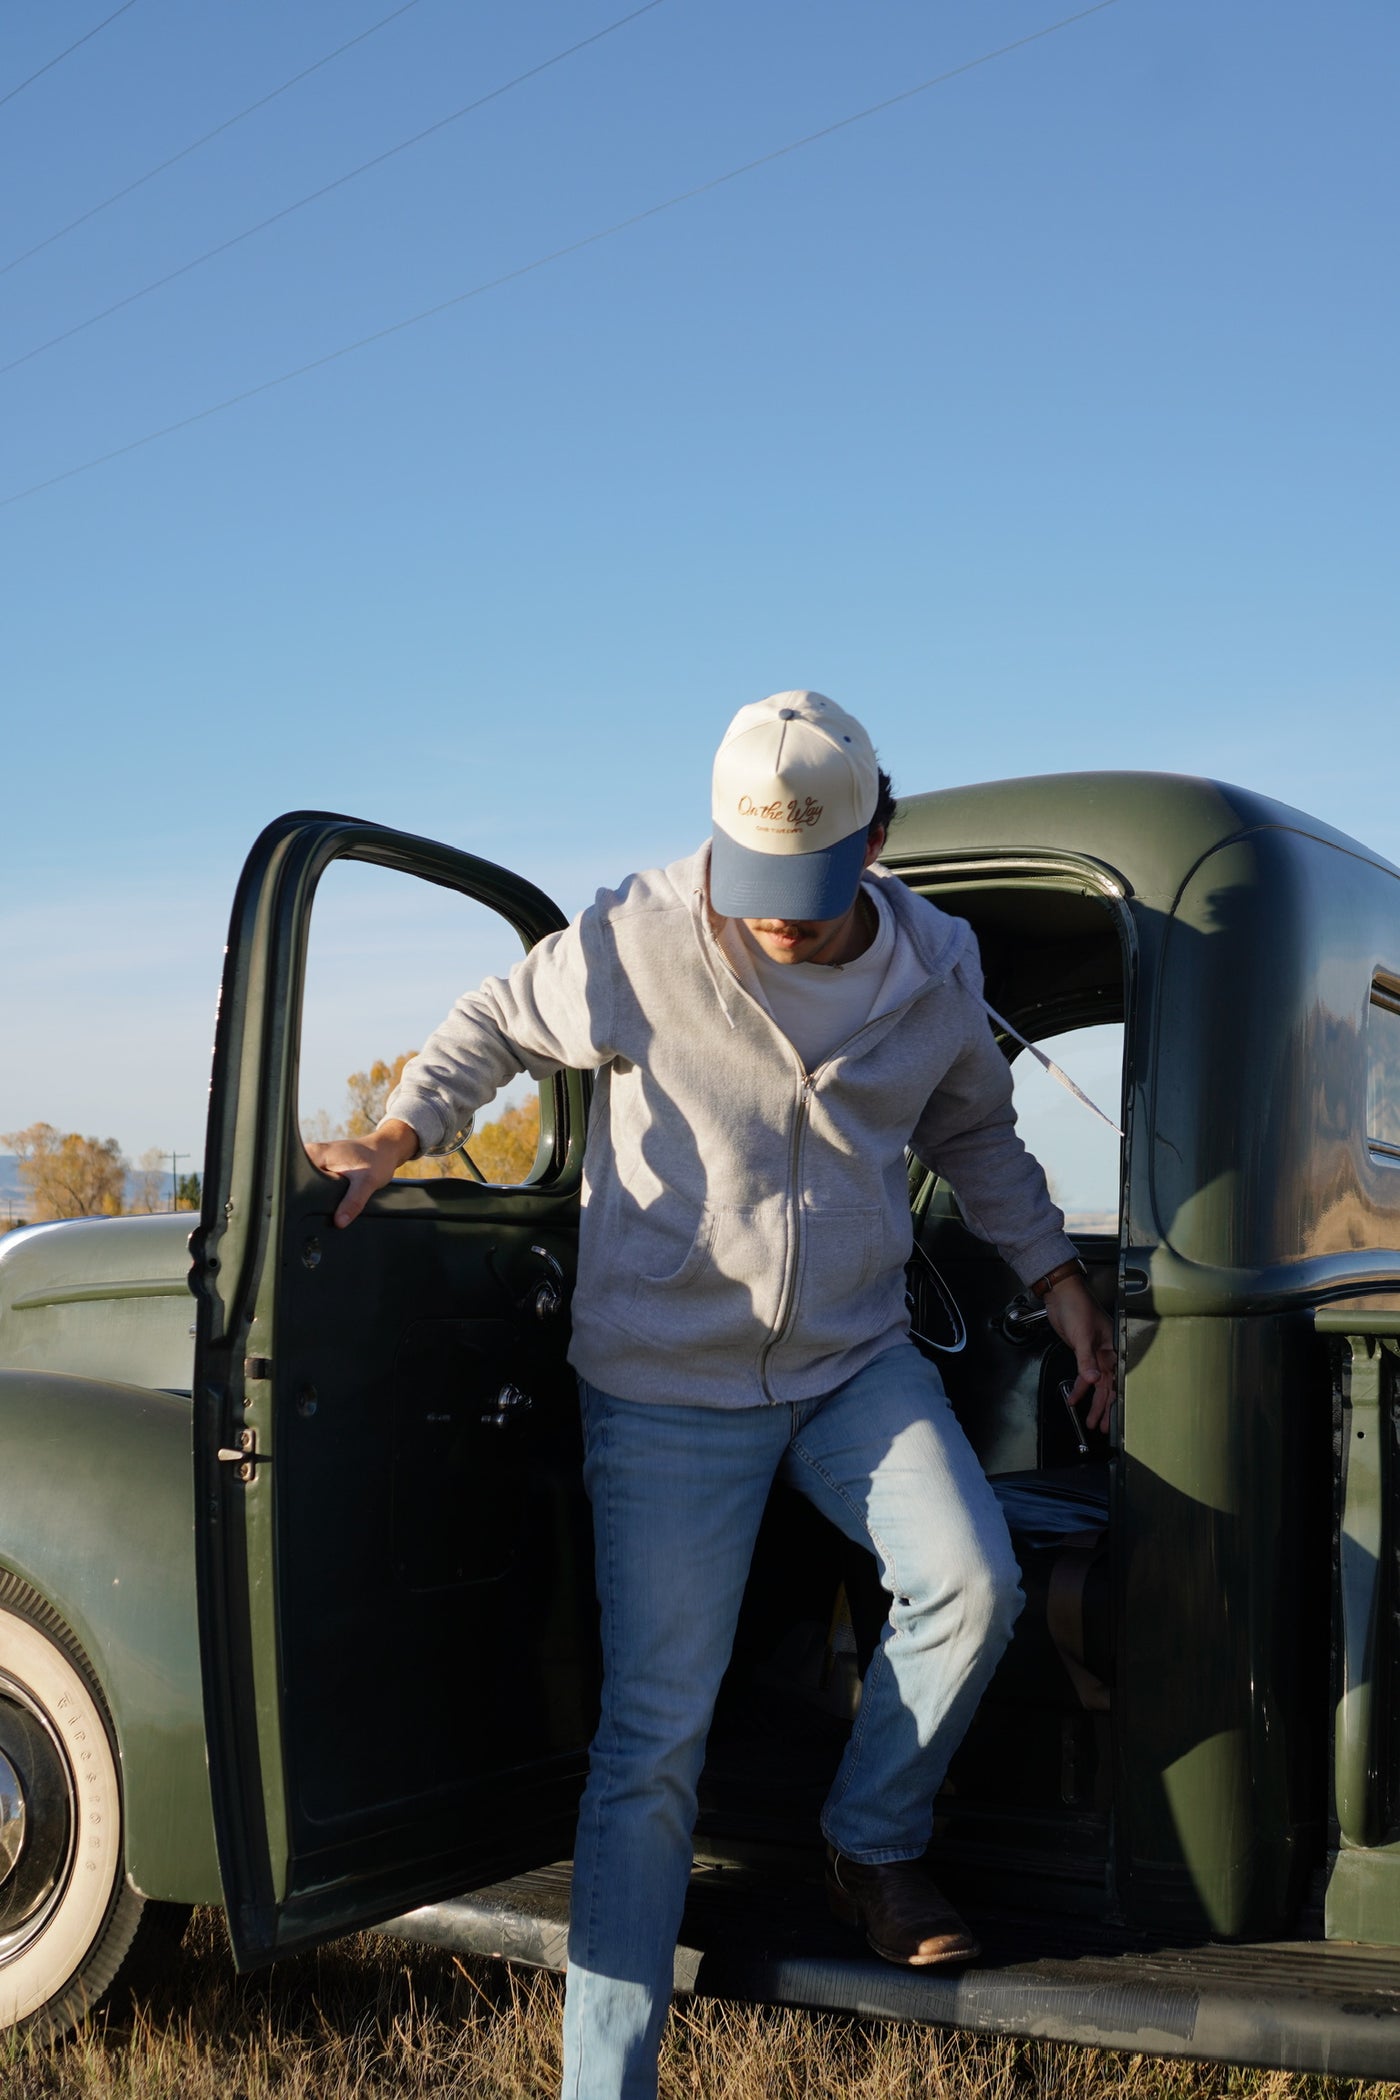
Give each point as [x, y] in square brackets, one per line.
[795, 788]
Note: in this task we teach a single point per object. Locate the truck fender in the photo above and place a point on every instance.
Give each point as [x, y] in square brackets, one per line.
[97, 1518]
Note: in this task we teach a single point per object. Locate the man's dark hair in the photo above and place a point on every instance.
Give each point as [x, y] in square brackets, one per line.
[885, 804]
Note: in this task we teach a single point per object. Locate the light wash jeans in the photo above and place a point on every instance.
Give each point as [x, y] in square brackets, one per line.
[677, 1494]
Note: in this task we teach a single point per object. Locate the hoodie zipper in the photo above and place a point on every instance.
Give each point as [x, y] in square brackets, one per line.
[787, 1304]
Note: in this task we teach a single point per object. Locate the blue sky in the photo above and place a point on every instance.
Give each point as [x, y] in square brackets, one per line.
[1047, 418]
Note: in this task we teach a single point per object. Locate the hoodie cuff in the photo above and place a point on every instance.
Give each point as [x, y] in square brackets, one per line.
[435, 1124]
[1040, 1258]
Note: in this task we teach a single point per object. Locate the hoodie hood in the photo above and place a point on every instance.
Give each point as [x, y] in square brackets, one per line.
[933, 943]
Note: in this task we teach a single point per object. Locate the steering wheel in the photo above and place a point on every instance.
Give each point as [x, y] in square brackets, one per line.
[935, 1317]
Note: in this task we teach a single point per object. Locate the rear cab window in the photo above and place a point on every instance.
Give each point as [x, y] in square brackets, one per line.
[1383, 1069]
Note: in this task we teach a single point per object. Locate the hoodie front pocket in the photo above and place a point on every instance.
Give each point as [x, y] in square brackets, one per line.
[696, 1256]
[722, 1292]
[840, 1250]
[840, 1259]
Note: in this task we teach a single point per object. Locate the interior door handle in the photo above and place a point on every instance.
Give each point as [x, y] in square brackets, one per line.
[512, 1403]
[546, 1299]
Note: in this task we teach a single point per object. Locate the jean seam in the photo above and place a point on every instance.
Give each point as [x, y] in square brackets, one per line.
[605, 1720]
[857, 1739]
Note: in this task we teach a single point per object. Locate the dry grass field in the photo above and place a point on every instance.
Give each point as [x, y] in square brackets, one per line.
[372, 2019]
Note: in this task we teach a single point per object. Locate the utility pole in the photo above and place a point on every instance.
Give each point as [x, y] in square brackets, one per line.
[174, 1179]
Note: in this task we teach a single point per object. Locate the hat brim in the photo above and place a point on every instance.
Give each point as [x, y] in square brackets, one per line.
[745, 884]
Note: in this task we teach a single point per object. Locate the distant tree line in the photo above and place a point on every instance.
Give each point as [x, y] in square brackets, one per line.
[66, 1175]
[502, 1151]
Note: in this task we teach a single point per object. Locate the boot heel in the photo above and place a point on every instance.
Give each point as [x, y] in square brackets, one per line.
[842, 1903]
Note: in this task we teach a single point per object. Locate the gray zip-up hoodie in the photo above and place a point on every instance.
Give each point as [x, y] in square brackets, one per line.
[745, 1223]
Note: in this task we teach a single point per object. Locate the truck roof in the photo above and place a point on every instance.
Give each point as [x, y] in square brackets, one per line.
[1151, 829]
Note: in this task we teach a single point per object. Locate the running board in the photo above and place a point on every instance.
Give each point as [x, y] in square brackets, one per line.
[1296, 2005]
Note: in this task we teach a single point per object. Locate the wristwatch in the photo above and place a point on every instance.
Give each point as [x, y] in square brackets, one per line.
[1043, 1285]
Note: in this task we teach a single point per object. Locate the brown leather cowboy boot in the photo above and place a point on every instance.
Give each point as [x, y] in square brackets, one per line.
[904, 1916]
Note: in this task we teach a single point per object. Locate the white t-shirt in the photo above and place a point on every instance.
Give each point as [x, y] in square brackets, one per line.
[818, 1006]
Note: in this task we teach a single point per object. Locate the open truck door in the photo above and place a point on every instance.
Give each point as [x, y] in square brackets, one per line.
[395, 1587]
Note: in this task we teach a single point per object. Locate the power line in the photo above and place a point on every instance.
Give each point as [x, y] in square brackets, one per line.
[195, 144]
[49, 64]
[588, 240]
[235, 240]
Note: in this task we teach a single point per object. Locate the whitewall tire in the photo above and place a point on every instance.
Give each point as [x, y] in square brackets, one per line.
[68, 1916]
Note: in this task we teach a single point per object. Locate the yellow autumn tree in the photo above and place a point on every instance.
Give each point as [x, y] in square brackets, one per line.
[67, 1175]
[503, 1150]
[368, 1091]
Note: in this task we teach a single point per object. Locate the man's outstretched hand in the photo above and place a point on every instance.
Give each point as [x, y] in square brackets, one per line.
[1083, 1326]
[366, 1163]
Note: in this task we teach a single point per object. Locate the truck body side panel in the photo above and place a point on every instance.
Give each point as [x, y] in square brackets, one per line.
[97, 1515]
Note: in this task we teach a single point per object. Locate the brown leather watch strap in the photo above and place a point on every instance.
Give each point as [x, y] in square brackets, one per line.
[1043, 1285]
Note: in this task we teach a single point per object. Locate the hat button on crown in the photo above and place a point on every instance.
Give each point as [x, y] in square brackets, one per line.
[787, 714]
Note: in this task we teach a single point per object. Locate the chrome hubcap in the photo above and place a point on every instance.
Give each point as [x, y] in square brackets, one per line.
[11, 1817]
[37, 1819]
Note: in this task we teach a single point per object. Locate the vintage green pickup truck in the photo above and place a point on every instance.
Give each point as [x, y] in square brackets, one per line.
[295, 1596]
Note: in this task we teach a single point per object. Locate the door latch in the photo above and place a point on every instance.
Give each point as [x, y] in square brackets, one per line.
[512, 1403]
[245, 1456]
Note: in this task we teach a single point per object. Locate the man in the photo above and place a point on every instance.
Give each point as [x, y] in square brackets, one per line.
[772, 1023]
